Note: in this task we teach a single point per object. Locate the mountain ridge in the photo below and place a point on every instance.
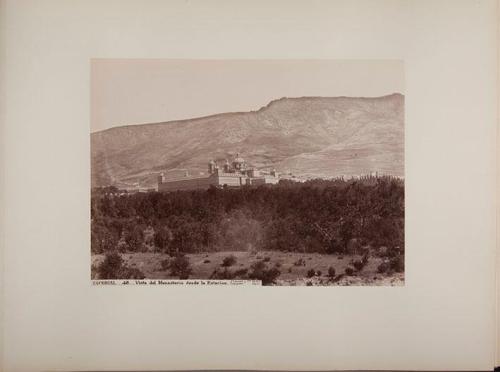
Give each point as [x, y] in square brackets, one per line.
[174, 121]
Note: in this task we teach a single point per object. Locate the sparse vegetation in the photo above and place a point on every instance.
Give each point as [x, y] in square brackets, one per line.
[149, 264]
[311, 273]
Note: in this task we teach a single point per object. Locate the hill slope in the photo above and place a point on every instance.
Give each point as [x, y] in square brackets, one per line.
[309, 136]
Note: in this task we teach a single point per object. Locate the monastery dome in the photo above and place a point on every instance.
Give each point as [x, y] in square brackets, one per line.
[239, 159]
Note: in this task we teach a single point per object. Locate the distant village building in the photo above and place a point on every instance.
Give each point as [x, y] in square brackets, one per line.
[236, 174]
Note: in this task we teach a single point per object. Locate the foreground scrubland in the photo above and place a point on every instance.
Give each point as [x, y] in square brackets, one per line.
[315, 233]
[286, 268]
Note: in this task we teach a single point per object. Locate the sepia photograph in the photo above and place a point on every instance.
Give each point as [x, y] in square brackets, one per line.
[266, 185]
[280, 172]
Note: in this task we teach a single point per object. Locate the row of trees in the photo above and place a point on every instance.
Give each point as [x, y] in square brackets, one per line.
[318, 216]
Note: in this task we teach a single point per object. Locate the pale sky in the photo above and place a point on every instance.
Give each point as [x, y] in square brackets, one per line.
[138, 91]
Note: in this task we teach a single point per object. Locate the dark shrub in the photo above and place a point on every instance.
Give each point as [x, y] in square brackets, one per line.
[300, 262]
[349, 270]
[206, 261]
[309, 284]
[331, 272]
[228, 261]
[290, 269]
[383, 267]
[165, 264]
[358, 265]
[397, 264]
[318, 273]
[224, 274]
[110, 267]
[180, 267]
[162, 238]
[131, 273]
[365, 259]
[267, 259]
[113, 268]
[311, 273]
[259, 271]
[93, 272]
[134, 237]
[241, 273]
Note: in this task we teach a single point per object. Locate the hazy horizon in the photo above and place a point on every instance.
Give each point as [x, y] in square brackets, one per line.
[128, 92]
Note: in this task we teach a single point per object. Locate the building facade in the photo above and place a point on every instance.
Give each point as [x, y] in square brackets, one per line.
[236, 174]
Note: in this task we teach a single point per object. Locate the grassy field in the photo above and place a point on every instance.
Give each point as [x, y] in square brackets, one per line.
[291, 274]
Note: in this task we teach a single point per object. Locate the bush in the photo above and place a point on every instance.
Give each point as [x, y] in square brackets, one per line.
[397, 264]
[300, 262]
[228, 261]
[180, 267]
[309, 284]
[349, 271]
[267, 259]
[358, 265]
[383, 267]
[259, 271]
[113, 268]
[318, 273]
[241, 273]
[131, 273]
[365, 260]
[110, 267]
[331, 272]
[311, 273]
[223, 275]
[206, 261]
[93, 272]
[165, 264]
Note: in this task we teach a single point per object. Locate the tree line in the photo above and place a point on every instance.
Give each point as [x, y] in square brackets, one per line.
[316, 216]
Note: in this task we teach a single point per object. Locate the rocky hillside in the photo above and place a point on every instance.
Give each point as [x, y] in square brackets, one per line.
[308, 136]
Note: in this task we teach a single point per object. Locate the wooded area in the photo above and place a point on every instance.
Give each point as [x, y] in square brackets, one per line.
[316, 216]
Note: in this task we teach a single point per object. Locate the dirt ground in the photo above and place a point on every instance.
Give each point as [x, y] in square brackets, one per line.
[204, 264]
